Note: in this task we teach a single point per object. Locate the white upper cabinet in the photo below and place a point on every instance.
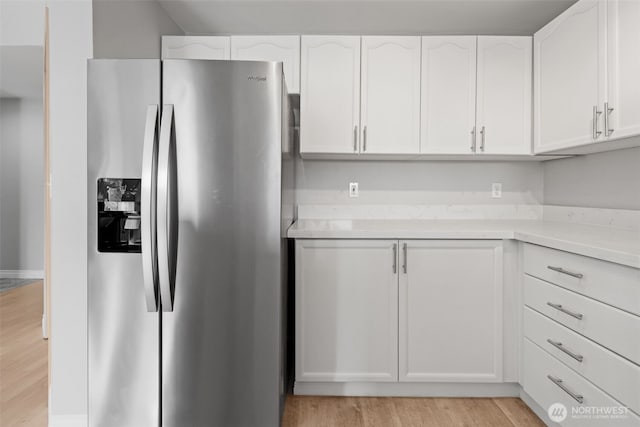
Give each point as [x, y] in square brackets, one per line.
[390, 84]
[448, 94]
[503, 113]
[450, 305]
[330, 94]
[570, 77]
[196, 47]
[285, 49]
[623, 69]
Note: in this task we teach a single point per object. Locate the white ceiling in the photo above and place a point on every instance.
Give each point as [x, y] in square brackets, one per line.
[485, 17]
[21, 71]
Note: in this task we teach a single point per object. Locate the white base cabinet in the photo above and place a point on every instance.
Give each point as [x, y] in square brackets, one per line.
[409, 311]
[451, 311]
[346, 310]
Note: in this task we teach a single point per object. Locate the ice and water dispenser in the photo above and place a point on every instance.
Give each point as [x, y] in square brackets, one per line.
[119, 215]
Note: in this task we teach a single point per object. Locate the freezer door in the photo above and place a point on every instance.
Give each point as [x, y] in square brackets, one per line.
[221, 338]
[123, 335]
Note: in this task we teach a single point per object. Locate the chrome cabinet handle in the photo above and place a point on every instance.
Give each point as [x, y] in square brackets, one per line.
[395, 258]
[364, 138]
[596, 115]
[355, 138]
[148, 209]
[482, 133]
[557, 381]
[563, 349]
[607, 112]
[165, 246]
[473, 139]
[404, 264]
[563, 271]
[559, 307]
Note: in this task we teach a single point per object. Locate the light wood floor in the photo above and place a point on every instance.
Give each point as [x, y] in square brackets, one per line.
[23, 387]
[23, 358]
[313, 411]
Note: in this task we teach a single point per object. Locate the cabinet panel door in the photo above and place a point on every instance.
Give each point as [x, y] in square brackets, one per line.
[623, 35]
[503, 113]
[390, 82]
[450, 311]
[346, 310]
[448, 94]
[569, 77]
[329, 94]
[196, 47]
[271, 48]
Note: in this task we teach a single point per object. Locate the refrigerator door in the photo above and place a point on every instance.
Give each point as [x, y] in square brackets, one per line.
[123, 336]
[221, 342]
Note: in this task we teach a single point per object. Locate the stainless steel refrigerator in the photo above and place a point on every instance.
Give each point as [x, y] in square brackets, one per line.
[190, 192]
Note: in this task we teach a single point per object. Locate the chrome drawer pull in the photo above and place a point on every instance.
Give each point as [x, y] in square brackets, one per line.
[559, 307]
[355, 138]
[563, 349]
[563, 271]
[404, 266]
[607, 112]
[395, 258]
[596, 114]
[557, 381]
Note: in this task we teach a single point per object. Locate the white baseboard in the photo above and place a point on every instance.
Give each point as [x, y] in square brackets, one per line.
[76, 420]
[67, 420]
[396, 389]
[21, 274]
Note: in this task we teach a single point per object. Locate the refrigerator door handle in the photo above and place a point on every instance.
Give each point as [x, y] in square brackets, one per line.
[148, 209]
[165, 215]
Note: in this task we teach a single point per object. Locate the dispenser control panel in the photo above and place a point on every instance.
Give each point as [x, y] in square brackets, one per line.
[119, 215]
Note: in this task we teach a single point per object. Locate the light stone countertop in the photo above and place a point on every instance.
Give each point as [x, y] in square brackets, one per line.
[610, 244]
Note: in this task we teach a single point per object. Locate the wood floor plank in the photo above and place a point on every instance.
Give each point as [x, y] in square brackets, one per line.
[518, 412]
[321, 411]
[23, 358]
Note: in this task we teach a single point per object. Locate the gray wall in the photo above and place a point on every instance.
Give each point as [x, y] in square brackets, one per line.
[602, 180]
[408, 182]
[21, 184]
[130, 29]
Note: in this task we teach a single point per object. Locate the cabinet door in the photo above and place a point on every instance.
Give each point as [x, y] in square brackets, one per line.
[329, 94]
[346, 310]
[569, 77]
[450, 311]
[285, 49]
[623, 35]
[390, 108]
[448, 94]
[196, 47]
[503, 113]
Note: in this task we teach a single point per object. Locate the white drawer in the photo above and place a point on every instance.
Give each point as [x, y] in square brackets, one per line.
[539, 366]
[610, 372]
[615, 329]
[604, 281]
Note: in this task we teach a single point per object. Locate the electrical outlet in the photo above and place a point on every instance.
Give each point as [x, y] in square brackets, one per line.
[353, 189]
[496, 190]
